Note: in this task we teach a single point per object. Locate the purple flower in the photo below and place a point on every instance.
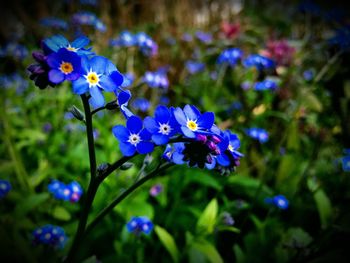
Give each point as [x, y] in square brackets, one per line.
[139, 224]
[65, 65]
[39, 72]
[133, 138]
[192, 122]
[163, 126]
[156, 190]
[204, 37]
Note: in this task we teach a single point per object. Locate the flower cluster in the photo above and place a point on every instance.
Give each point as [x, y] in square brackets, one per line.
[194, 67]
[230, 56]
[139, 224]
[266, 84]
[89, 73]
[201, 143]
[88, 18]
[280, 51]
[71, 192]
[50, 235]
[5, 187]
[280, 201]
[127, 39]
[157, 79]
[14, 50]
[257, 133]
[259, 62]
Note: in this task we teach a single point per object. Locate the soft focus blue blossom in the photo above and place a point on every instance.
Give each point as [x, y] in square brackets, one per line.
[280, 201]
[96, 76]
[192, 122]
[187, 37]
[47, 127]
[71, 192]
[163, 126]
[128, 79]
[346, 161]
[50, 235]
[257, 133]
[308, 74]
[259, 62]
[14, 50]
[65, 65]
[54, 22]
[227, 219]
[139, 224]
[156, 190]
[141, 104]
[133, 138]
[157, 79]
[123, 98]
[146, 44]
[204, 37]
[14, 81]
[5, 187]
[266, 84]
[194, 67]
[341, 38]
[125, 39]
[56, 42]
[230, 56]
[88, 18]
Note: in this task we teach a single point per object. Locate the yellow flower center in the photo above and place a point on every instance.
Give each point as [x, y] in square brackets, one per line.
[66, 67]
[192, 125]
[93, 78]
[230, 148]
[70, 48]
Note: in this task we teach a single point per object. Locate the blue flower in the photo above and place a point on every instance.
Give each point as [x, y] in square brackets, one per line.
[280, 201]
[229, 150]
[141, 104]
[65, 65]
[156, 190]
[56, 42]
[258, 61]
[146, 43]
[54, 22]
[125, 39]
[192, 122]
[308, 74]
[139, 224]
[88, 18]
[230, 56]
[71, 192]
[266, 84]
[194, 67]
[5, 187]
[346, 163]
[259, 134]
[204, 37]
[128, 79]
[133, 137]
[97, 76]
[50, 235]
[174, 153]
[157, 79]
[14, 50]
[163, 126]
[123, 98]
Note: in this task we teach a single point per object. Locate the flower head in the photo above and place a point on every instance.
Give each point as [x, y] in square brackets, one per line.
[141, 104]
[139, 224]
[194, 67]
[192, 122]
[163, 126]
[96, 75]
[50, 235]
[56, 42]
[266, 84]
[230, 56]
[65, 65]
[156, 189]
[157, 79]
[146, 43]
[5, 187]
[280, 51]
[259, 134]
[259, 62]
[71, 192]
[133, 138]
[125, 39]
[39, 72]
[280, 201]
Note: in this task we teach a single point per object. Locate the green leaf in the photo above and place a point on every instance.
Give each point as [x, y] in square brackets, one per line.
[324, 207]
[168, 242]
[61, 213]
[207, 220]
[30, 203]
[247, 185]
[240, 257]
[208, 250]
[202, 178]
[228, 228]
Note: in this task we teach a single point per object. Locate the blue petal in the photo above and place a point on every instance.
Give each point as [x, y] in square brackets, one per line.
[73, 76]
[127, 149]
[162, 114]
[107, 84]
[180, 116]
[117, 78]
[121, 133]
[187, 132]
[85, 64]
[123, 97]
[53, 60]
[145, 135]
[223, 160]
[98, 64]
[151, 125]
[178, 158]
[206, 120]
[211, 165]
[80, 42]
[97, 97]
[144, 147]
[160, 139]
[56, 76]
[190, 112]
[80, 86]
[134, 124]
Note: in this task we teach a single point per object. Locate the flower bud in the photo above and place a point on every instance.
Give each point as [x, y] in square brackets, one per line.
[77, 113]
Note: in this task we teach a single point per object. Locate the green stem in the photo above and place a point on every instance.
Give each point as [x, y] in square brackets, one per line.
[326, 67]
[93, 184]
[124, 194]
